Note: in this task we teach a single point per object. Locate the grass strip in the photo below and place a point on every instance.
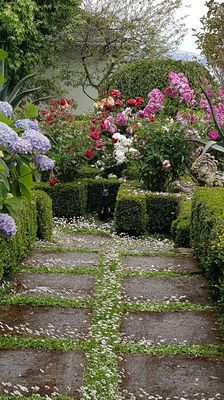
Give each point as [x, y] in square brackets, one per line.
[45, 301]
[171, 349]
[163, 307]
[59, 270]
[15, 342]
[158, 274]
[62, 249]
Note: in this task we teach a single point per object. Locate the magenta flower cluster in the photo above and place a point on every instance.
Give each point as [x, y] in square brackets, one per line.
[155, 103]
[7, 226]
[185, 118]
[179, 85]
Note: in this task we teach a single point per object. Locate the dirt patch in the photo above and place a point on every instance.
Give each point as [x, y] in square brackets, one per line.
[166, 290]
[171, 327]
[43, 372]
[165, 377]
[51, 322]
[54, 285]
[175, 264]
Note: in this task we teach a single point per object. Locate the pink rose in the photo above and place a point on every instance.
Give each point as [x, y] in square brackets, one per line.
[213, 135]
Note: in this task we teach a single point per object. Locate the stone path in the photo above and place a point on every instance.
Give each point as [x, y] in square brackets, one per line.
[103, 318]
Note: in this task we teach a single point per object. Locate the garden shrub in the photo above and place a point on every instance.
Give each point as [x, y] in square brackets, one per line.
[207, 235]
[161, 211]
[86, 171]
[180, 229]
[139, 78]
[68, 199]
[13, 249]
[94, 192]
[130, 210]
[44, 215]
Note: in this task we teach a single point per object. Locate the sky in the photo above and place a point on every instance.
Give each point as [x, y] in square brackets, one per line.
[195, 12]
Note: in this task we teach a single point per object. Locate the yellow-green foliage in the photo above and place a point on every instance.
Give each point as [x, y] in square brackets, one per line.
[130, 210]
[44, 215]
[207, 235]
[12, 250]
[180, 229]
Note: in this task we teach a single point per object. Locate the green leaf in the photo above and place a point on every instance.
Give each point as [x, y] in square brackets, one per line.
[27, 193]
[6, 120]
[31, 111]
[2, 79]
[3, 54]
[12, 205]
[5, 169]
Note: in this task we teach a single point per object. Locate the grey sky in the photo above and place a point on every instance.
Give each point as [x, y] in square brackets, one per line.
[195, 12]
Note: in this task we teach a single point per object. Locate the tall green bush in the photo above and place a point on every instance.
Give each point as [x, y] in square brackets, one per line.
[139, 78]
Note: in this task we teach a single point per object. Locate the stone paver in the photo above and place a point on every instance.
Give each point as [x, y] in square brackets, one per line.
[42, 372]
[166, 289]
[171, 327]
[150, 264]
[63, 260]
[172, 377]
[54, 285]
[90, 242]
[52, 322]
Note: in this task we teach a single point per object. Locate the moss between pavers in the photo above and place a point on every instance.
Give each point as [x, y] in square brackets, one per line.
[47, 301]
[172, 349]
[15, 342]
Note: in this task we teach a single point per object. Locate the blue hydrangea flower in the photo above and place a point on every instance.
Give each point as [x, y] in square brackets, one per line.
[6, 108]
[39, 142]
[22, 146]
[8, 137]
[26, 124]
[7, 226]
[43, 163]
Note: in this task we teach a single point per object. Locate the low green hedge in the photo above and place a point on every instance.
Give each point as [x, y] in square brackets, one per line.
[130, 210]
[12, 250]
[94, 192]
[44, 215]
[180, 229]
[137, 211]
[207, 236]
[161, 210]
[68, 199]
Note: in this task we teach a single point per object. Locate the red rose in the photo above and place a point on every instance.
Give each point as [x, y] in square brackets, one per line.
[119, 103]
[92, 129]
[63, 102]
[95, 135]
[99, 144]
[94, 120]
[102, 125]
[45, 112]
[152, 117]
[131, 103]
[113, 140]
[89, 153]
[108, 106]
[54, 103]
[53, 181]
[115, 93]
[68, 148]
[139, 101]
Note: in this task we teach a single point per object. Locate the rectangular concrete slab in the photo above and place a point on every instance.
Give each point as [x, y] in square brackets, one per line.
[172, 377]
[171, 328]
[166, 290]
[150, 264]
[52, 322]
[43, 372]
[55, 285]
[62, 260]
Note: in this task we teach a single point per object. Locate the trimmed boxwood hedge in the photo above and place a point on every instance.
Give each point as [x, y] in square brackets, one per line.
[207, 236]
[68, 199]
[137, 211]
[180, 229]
[138, 78]
[161, 211]
[94, 192]
[130, 211]
[44, 215]
[12, 250]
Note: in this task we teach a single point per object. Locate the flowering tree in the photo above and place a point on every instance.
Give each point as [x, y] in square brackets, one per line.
[107, 33]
